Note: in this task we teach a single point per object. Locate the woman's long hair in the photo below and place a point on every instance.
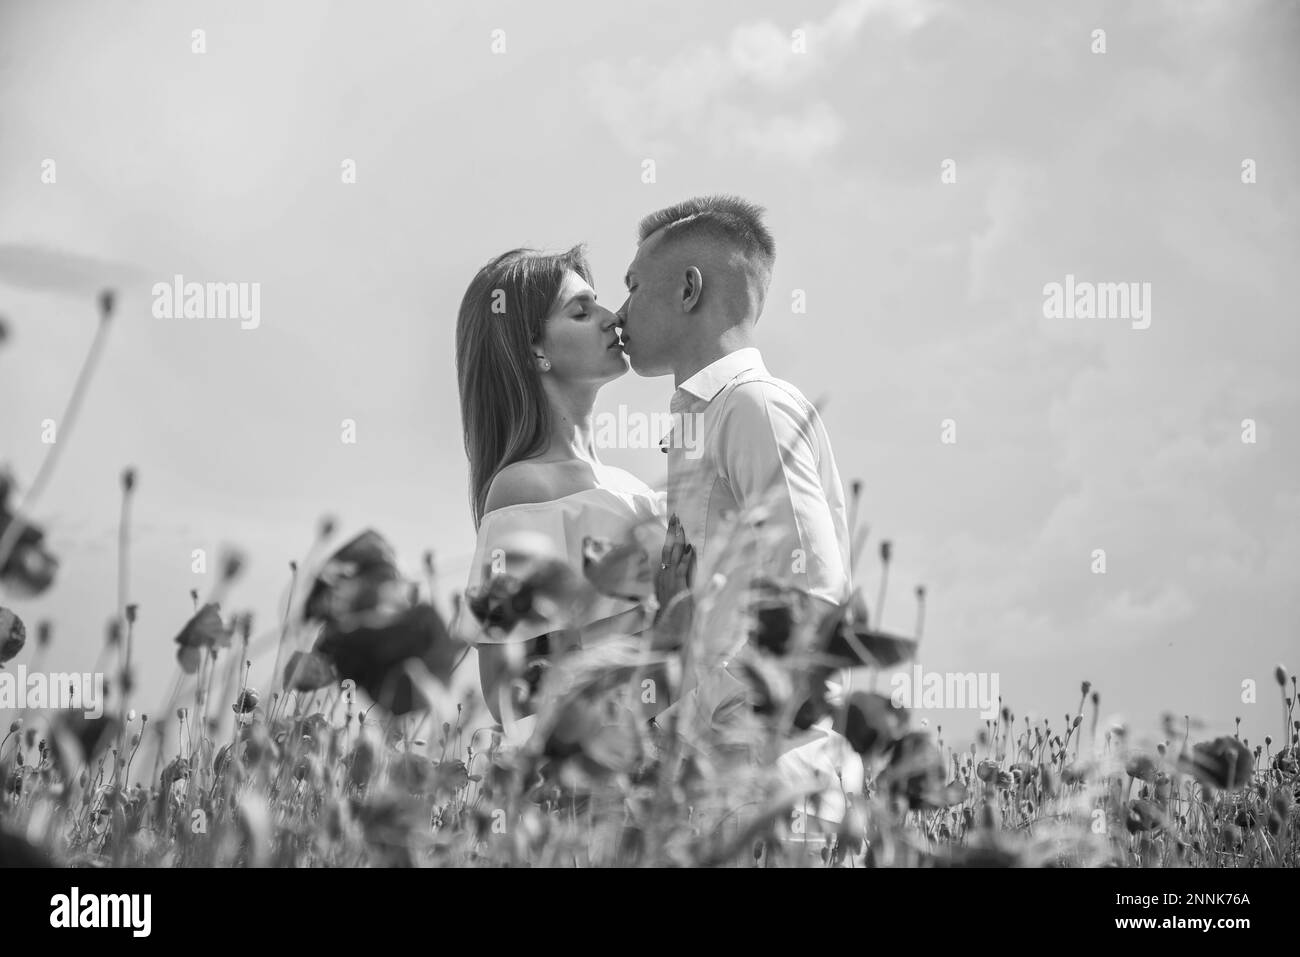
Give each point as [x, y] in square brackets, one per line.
[503, 407]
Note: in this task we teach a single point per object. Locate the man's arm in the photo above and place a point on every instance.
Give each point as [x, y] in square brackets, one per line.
[767, 450]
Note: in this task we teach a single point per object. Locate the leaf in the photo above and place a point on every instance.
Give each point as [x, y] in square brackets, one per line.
[13, 635]
[872, 722]
[204, 630]
[29, 569]
[372, 655]
[308, 671]
[189, 658]
[1224, 763]
[361, 576]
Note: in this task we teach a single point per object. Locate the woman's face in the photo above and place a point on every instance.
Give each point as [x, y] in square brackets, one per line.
[579, 337]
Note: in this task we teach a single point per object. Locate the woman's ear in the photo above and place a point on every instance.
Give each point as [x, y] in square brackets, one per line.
[543, 363]
[692, 288]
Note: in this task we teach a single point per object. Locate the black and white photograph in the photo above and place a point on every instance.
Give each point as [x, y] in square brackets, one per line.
[854, 434]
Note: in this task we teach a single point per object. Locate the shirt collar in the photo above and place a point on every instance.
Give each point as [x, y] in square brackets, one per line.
[710, 380]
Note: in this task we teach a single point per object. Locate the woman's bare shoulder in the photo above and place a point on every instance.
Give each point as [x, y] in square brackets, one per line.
[521, 483]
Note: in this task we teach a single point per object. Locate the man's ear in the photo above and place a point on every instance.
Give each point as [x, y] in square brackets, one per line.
[692, 288]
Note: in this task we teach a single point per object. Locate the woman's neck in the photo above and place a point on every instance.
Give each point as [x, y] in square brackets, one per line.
[571, 432]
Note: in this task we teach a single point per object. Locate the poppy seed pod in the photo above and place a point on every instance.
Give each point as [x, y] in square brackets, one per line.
[248, 700]
[1086, 687]
[1280, 674]
[231, 564]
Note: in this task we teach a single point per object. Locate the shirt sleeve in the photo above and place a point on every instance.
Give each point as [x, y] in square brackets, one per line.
[768, 451]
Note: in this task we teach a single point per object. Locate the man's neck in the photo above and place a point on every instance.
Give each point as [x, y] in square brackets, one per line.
[731, 339]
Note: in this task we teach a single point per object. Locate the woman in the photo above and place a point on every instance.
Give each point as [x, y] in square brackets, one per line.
[533, 348]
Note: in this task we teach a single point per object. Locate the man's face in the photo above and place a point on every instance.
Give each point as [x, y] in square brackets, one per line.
[651, 316]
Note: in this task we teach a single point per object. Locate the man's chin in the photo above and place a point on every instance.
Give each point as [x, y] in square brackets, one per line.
[637, 367]
[649, 372]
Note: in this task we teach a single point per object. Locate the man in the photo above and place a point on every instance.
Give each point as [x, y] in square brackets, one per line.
[758, 492]
[695, 291]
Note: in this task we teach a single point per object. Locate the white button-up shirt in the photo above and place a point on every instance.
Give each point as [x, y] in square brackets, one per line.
[742, 439]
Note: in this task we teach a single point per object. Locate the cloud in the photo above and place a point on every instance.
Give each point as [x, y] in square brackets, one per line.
[743, 96]
[48, 269]
[1163, 608]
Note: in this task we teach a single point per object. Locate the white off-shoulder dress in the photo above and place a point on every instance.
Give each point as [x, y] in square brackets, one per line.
[617, 509]
[614, 510]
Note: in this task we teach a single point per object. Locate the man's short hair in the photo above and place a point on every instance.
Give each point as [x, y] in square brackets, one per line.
[729, 219]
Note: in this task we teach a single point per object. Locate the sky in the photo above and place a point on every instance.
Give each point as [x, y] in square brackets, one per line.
[479, 128]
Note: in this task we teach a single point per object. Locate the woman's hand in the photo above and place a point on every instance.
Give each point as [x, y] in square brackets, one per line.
[673, 586]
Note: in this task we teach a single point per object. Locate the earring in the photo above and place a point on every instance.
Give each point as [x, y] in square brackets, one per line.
[546, 365]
